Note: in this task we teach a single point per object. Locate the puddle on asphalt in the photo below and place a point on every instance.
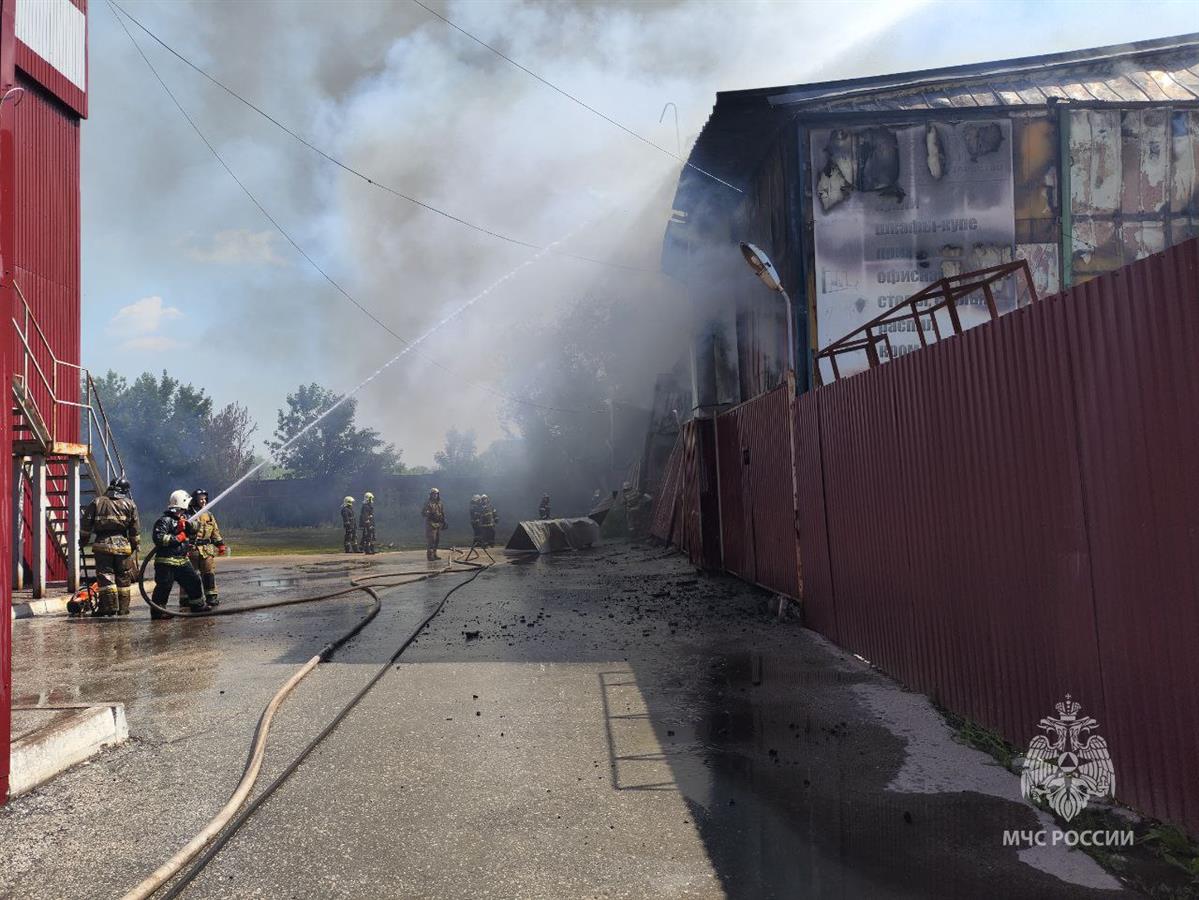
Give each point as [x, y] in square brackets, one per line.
[786, 775]
[275, 582]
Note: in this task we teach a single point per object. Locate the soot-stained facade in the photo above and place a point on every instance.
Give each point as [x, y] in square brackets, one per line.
[864, 191]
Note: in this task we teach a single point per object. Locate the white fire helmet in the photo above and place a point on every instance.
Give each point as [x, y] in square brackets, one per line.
[348, 501]
[179, 500]
[368, 497]
[433, 491]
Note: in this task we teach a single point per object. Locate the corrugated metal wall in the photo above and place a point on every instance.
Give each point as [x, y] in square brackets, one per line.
[685, 511]
[817, 582]
[700, 507]
[1013, 515]
[46, 252]
[757, 512]
[46, 264]
[7, 513]
[1134, 341]
[51, 46]
[664, 521]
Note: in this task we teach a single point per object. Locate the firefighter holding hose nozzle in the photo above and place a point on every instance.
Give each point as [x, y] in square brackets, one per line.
[206, 546]
[434, 515]
[113, 519]
[173, 535]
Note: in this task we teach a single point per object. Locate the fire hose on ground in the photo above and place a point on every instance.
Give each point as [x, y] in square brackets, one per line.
[229, 820]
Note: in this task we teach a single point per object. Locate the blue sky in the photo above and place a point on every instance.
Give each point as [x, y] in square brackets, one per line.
[182, 273]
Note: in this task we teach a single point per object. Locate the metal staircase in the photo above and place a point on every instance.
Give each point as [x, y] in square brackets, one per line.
[63, 456]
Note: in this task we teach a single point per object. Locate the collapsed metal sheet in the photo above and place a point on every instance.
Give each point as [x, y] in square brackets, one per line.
[553, 535]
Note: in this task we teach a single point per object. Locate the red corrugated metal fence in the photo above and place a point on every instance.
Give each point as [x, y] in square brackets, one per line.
[1004, 518]
[1013, 515]
[757, 508]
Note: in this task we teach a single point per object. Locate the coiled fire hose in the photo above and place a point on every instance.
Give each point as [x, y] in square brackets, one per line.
[224, 824]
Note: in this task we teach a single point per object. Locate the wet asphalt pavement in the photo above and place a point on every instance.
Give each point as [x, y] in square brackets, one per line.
[600, 724]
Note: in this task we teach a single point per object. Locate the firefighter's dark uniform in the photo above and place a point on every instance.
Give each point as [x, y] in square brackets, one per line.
[205, 548]
[172, 541]
[488, 518]
[543, 511]
[347, 523]
[434, 514]
[366, 526]
[476, 518]
[113, 519]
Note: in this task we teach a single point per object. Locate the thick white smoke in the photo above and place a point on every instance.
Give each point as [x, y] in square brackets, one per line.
[403, 97]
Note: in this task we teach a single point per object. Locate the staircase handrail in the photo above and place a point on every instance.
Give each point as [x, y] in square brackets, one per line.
[98, 426]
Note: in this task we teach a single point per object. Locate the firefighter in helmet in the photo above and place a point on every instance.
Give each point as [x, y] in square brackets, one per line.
[173, 534]
[488, 518]
[112, 517]
[543, 508]
[476, 517]
[207, 545]
[366, 523]
[347, 523]
[434, 516]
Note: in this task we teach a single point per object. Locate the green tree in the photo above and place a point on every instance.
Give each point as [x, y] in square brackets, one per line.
[459, 457]
[170, 438]
[334, 447]
[230, 441]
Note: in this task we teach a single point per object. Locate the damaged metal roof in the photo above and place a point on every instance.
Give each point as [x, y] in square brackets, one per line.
[743, 123]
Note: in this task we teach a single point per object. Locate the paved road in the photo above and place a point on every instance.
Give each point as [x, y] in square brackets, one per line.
[605, 724]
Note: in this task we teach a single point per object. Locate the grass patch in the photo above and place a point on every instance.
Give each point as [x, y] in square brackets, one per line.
[1163, 861]
[287, 541]
[981, 738]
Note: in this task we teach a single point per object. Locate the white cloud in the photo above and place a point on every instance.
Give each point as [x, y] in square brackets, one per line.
[141, 324]
[238, 245]
[154, 343]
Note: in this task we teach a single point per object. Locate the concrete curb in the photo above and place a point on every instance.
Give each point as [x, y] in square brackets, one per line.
[47, 606]
[55, 606]
[39, 756]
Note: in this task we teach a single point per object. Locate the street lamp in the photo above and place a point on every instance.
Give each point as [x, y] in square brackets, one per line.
[765, 270]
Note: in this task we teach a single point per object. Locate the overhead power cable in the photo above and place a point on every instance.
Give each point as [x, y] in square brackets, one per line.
[569, 96]
[373, 182]
[312, 262]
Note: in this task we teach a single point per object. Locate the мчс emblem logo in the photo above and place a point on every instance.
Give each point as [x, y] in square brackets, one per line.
[1067, 766]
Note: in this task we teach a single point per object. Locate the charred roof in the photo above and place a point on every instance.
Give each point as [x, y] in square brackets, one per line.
[743, 124]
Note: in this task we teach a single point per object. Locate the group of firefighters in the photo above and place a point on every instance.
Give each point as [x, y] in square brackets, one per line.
[187, 541]
[365, 525]
[360, 536]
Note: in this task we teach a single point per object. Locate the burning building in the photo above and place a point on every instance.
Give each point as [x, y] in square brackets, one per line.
[864, 191]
